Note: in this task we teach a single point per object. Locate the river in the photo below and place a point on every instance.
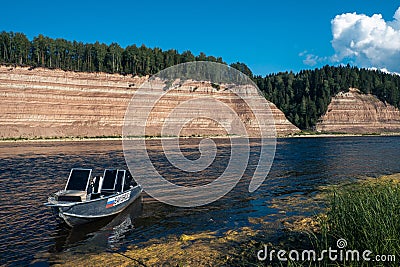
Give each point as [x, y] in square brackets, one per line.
[30, 171]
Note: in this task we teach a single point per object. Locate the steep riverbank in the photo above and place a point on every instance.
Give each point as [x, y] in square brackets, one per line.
[357, 113]
[43, 103]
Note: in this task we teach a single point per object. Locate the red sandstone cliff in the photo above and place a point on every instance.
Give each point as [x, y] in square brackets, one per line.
[48, 103]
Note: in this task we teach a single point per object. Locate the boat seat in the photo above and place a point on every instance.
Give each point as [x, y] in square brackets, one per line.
[76, 189]
[72, 196]
[69, 198]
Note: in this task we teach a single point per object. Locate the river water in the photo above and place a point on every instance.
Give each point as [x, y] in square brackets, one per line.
[30, 171]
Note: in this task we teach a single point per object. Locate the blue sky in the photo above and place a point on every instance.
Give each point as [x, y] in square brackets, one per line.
[269, 36]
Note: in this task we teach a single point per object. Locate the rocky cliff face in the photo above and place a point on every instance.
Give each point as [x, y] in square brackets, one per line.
[353, 112]
[48, 103]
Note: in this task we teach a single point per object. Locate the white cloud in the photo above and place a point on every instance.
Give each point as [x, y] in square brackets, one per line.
[311, 59]
[385, 70]
[303, 53]
[369, 41]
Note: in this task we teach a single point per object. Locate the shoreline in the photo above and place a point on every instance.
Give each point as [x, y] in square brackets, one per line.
[117, 138]
[341, 135]
[98, 138]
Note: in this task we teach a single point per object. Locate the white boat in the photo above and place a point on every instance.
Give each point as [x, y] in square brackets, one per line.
[85, 199]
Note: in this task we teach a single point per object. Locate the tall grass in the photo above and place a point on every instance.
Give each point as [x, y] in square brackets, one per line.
[367, 215]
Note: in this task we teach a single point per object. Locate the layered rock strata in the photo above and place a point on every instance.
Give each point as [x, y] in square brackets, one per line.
[354, 112]
[54, 103]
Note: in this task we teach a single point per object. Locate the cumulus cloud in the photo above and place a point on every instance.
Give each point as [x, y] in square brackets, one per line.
[368, 40]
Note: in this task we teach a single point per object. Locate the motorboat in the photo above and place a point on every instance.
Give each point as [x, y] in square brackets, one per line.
[85, 199]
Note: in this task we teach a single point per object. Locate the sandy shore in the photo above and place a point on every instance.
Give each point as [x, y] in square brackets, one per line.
[116, 138]
[340, 135]
[61, 139]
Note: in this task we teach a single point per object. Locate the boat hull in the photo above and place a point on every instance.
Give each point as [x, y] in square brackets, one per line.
[84, 212]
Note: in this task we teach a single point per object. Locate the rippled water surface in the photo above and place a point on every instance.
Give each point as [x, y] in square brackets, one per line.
[30, 171]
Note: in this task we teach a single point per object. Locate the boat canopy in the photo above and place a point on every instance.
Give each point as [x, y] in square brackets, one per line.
[78, 179]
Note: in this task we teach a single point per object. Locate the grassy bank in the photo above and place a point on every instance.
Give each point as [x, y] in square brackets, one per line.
[367, 216]
[361, 216]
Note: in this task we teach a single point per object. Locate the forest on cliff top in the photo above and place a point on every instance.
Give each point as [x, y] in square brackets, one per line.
[302, 96]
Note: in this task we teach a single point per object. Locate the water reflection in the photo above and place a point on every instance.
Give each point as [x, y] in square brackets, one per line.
[104, 233]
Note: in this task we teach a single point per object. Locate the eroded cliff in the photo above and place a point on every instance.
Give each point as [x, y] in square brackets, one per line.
[54, 103]
[353, 112]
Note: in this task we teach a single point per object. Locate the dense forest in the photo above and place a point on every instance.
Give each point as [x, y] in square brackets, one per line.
[16, 48]
[303, 96]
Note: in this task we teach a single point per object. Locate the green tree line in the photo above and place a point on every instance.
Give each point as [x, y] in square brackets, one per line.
[42, 51]
[303, 96]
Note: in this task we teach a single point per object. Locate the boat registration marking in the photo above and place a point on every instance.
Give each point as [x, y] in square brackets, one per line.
[114, 201]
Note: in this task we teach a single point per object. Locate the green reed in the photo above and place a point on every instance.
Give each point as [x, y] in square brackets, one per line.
[367, 215]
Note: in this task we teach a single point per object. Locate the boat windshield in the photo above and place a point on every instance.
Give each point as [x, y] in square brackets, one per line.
[109, 179]
[78, 179]
[119, 185]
